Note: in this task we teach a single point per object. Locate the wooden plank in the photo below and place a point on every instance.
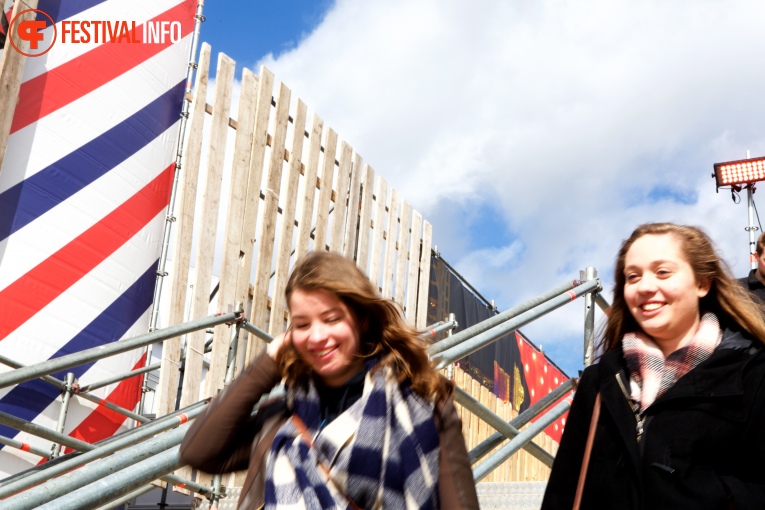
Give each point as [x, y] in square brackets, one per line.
[376, 259]
[403, 252]
[325, 193]
[365, 221]
[252, 201]
[227, 298]
[309, 188]
[341, 201]
[12, 65]
[208, 226]
[414, 266]
[390, 245]
[169, 375]
[352, 218]
[269, 218]
[284, 247]
[424, 286]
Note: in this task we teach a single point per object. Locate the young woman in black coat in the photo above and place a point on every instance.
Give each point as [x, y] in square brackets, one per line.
[681, 386]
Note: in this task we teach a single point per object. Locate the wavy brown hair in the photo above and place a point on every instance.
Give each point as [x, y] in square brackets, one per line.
[383, 331]
[726, 298]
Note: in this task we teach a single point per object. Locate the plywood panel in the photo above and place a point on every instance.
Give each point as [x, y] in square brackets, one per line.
[325, 193]
[169, 375]
[389, 266]
[422, 288]
[403, 253]
[270, 211]
[309, 193]
[413, 271]
[341, 201]
[252, 202]
[365, 219]
[352, 217]
[284, 246]
[208, 225]
[375, 262]
[227, 298]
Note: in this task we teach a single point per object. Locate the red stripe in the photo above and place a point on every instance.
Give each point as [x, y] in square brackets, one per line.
[183, 418]
[25, 447]
[572, 294]
[103, 422]
[68, 82]
[26, 296]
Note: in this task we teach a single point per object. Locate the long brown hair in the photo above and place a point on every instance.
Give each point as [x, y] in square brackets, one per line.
[383, 331]
[732, 304]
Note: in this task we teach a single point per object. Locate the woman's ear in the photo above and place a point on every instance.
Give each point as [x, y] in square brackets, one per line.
[703, 288]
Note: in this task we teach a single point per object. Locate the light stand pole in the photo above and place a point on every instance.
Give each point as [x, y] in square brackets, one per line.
[740, 174]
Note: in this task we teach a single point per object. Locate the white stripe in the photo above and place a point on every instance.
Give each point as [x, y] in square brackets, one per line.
[115, 10]
[42, 238]
[44, 142]
[45, 333]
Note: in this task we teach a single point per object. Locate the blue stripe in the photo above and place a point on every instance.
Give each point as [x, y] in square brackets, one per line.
[63, 9]
[29, 399]
[38, 194]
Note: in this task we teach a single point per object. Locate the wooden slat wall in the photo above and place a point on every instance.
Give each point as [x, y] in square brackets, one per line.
[316, 193]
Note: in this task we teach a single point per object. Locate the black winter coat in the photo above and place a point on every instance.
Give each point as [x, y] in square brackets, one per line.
[702, 446]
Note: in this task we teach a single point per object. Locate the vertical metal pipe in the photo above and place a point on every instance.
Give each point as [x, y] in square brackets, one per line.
[170, 218]
[520, 440]
[230, 370]
[752, 228]
[589, 319]
[450, 368]
[66, 397]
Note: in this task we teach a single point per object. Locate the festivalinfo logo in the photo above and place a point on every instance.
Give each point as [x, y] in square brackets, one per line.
[32, 25]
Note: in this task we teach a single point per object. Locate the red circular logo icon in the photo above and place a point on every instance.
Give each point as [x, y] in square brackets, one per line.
[31, 30]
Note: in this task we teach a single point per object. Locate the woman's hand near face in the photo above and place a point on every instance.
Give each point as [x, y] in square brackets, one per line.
[275, 346]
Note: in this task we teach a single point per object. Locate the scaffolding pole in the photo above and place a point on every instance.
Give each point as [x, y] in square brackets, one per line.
[79, 358]
[481, 411]
[522, 419]
[469, 346]
[142, 433]
[500, 318]
[526, 435]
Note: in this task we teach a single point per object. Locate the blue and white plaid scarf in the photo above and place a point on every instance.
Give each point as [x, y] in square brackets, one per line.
[383, 452]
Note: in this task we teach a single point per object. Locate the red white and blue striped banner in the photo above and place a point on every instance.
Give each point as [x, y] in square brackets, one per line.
[84, 188]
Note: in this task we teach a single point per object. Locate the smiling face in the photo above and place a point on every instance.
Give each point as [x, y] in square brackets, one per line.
[325, 335]
[661, 290]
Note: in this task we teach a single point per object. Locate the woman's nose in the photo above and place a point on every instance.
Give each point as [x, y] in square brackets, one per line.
[317, 333]
[647, 283]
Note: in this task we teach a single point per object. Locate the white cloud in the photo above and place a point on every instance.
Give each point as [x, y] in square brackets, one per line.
[571, 119]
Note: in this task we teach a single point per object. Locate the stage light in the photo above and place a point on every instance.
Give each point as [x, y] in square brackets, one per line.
[744, 171]
[743, 174]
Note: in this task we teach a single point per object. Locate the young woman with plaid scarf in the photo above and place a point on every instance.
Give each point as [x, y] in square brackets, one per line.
[681, 387]
[366, 421]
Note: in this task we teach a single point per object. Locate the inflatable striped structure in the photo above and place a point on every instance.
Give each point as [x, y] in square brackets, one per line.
[84, 188]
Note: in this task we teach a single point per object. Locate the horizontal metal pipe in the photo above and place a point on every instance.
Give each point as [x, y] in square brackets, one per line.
[484, 413]
[522, 419]
[141, 433]
[24, 447]
[500, 318]
[252, 328]
[526, 435]
[121, 377]
[43, 432]
[127, 497]
[104, 351]
[108, 488]
[432, 332]
[481, 340]
[61, 385]
[73, 480]
[602, 303]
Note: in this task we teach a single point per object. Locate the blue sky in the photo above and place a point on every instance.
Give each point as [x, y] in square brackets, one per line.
[535, 136]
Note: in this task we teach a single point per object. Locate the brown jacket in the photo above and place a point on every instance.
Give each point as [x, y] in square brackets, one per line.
[226, 438]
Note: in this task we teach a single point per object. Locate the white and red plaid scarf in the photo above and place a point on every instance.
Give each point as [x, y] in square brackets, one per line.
[651, 374]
